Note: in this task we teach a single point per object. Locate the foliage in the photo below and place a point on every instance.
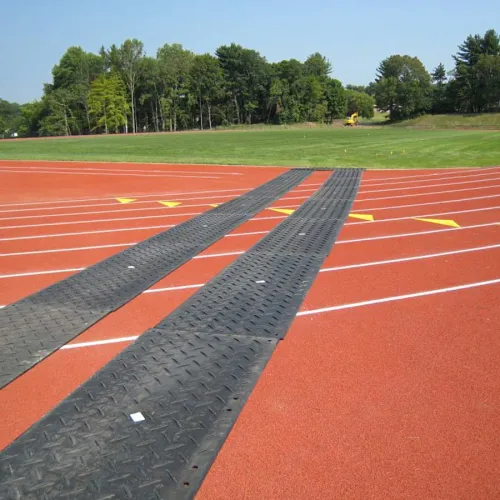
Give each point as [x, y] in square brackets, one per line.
[403, 87]
[360, 102]
[178, 90]
[108, 103]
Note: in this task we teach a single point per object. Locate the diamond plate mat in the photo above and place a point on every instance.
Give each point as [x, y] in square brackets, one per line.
[151, 422]
[34, 327]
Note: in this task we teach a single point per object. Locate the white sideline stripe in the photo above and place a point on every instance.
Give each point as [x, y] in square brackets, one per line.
[76, 249]
[377, 221]
[404, 235]
[398, 297]
[245, 234]
[425, 180]
[323, 309]
[139, 195]
[59, 172]
[119, 170]
[252, 233]
[429, 186]
[1, 307]
[427, 194]
[210, 255]
[171, 288]
[92, 221]
[444, 174]
[409, 259]
[428, 203]
[43, 236]
[124, 210]
[39, 273]
[99, 342]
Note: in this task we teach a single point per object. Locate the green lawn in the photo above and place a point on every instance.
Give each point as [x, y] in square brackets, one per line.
[376, 147]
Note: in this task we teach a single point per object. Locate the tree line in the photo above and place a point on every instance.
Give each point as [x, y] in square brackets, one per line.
[121, 89]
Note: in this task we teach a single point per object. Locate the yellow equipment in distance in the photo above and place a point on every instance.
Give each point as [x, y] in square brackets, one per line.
[352, 121]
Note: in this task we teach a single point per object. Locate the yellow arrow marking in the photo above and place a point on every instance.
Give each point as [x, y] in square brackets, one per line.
[215, 205]
[443, 222]
[170, 204]
[287, 211]
[125, 200]
[362, 216]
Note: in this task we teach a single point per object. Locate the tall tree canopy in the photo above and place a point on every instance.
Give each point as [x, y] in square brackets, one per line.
[121, 89]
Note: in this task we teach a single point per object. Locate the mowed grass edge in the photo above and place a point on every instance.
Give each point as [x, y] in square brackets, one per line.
[370, 147]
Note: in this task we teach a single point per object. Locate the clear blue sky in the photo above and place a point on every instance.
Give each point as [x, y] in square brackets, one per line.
[354, 34]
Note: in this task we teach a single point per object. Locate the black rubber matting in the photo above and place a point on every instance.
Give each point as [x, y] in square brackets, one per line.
[184, 381]
[34, 327]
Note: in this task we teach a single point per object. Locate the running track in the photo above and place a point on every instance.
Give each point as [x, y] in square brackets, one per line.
[386, 386]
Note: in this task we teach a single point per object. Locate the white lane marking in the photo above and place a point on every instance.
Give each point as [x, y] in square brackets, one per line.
[418, 233]
[428, 203]
[58, 250]
[119, 170]
[425, 187]
[323, 309]
[40, 273]
[131, 208]
[210, 255]
[377, 221]
[96, 221]
[482, 174]
[172, 288]
[99, 342]
[262, 232]
[408, 259]
[444, 174]
[398, 297]
[1, 307]
[140, 195]
[104, 231]
[427, 194]
[250, 233]
[107, 174]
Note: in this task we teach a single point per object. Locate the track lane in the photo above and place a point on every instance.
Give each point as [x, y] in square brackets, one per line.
[373, 407]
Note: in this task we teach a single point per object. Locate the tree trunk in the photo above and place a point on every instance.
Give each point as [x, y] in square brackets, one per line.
[161, 116]
[201, 114]
[237, 109]
[132, 104]
[209, 116]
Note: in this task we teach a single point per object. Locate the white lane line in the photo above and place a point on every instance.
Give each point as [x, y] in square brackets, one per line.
[428, 203]
[99, 342]
[339, 242]
[398, 297]
[107, 174]
[185, 172]
[428, 186]
[377, 221]
[404, 235]
[408, 259]
[131, 208]
[140, 196]
[477, 188]
[172, 288]
[1, 307]
[59, 250]
[444, 174]
[426, 180]
[97, 221]
[57, 235]
[211, 255]
[323, 309]
[40, 273]
[250, 233]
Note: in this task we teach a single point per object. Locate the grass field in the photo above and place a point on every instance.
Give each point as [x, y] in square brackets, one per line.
[368, 146]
